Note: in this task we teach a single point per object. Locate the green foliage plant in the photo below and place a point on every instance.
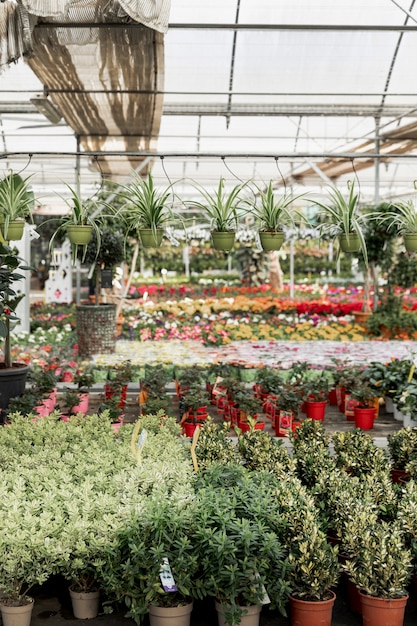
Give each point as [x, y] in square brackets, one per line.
[402, 447]
[11, 266]
[81, 213]
[357, 454]
[381, 566]
[144, 205]
[16, 199]
[221, 208]
[342, 215]
[272, 213]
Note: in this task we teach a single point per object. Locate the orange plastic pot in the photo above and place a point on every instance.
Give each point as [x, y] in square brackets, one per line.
[312, 613]
[382, 611]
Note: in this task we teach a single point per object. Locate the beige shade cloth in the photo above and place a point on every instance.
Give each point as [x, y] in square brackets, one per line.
[93, 71]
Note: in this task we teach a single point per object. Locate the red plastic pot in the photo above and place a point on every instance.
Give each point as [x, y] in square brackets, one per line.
[316, 410]
[189, 429]
[364, 418]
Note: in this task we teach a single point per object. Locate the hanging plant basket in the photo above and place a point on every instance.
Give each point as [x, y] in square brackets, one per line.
[349, 243]
[271, 240]
[149, 238]
[223, 240]
[79, 235]
[410, 242]
[14, 231]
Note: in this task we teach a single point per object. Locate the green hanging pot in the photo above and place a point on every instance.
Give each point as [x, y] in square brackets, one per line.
[223, 240]
[271, 240]
[79, 235]
[14, 231]
[149, 238]
[410, 242]
[350, 243]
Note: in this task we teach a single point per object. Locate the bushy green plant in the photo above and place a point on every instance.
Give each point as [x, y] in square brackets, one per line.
[161, 530]
[381, 566]
[402, 447]
[215, 446]
[357, 454]
[221, 207]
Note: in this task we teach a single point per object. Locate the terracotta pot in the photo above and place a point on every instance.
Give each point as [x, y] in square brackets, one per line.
[382, 611]
[364, 418]
[85, 605]
[398, 475]
[316, 410]
[306, 613]
[16, 615]
[361, 317]
[170, 616]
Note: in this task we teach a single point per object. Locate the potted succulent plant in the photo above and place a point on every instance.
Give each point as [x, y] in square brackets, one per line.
[341, 218]
[221, 209]
[271, 214]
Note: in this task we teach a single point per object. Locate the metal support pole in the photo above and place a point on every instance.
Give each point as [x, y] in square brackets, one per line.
[291, 268]
[78, 264]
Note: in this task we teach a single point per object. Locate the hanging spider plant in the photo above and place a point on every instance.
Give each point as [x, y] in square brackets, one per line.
[272, 213]
[16, 205]
[403, 219]
[84, 219]
[146, 210]
[221, 209]
[342, 219]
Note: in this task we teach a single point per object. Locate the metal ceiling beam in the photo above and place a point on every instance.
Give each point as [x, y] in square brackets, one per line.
[288, 110]
[232, 27]
[219, 155]
[291, 110]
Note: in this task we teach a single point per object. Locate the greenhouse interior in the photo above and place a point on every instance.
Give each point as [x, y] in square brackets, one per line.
[208, 312]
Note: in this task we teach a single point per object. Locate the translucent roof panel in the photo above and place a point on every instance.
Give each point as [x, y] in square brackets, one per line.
[309, 92]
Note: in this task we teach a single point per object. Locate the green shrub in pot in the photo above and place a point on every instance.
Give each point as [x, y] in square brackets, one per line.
[156, 531]
[357, 454]
[402, 447]
[381, 565]
[240, 555]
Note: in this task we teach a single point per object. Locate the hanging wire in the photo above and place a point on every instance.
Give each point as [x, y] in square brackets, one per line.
[232, 173]
[27, 164]
[280, 173]
[100, 188]
[356, 177]
[168, 179]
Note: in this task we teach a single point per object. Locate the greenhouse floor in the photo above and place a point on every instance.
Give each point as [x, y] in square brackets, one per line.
[52, 607]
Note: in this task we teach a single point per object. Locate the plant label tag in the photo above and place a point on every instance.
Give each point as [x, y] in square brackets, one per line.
[167, 579]
[142, 439]
[216, 391]
[266, 599]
